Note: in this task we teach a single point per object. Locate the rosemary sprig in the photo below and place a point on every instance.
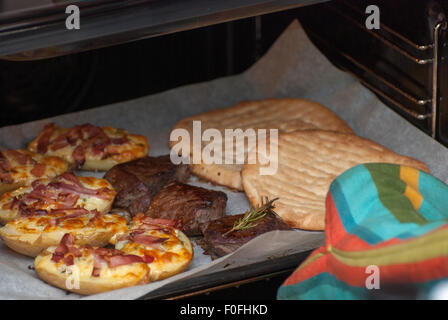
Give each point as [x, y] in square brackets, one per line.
[253, 215]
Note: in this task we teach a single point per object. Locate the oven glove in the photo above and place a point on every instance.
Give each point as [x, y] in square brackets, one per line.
[386, 237]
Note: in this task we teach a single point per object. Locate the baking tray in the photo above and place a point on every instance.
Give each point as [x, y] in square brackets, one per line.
[292, 67]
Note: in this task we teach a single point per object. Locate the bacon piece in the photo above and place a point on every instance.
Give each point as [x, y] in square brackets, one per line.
[31, 200]
[14, 203]
[67, 200]
[71, 178]
[83, 137]
[5, 177]
[21, 157]
[77, 252]
[66, 245]
[40, 193]
[79, 155]
[147, 240]
[38, 170]
[25, 211]
[59, 143]
[97, 264]
[42, 190]
[98, 259]
[119, 141]
[78, 211]
[145, 223]
[103, 193]
[44, 140]
[148, 259]
[66, 251]
[76, 186]
[68, 138]
[148, 227]
[106, 251]
[93, 131]
[99, 148]
[73, 135]
[177, 224]
[74, 213]
[97, 215]
[49, 194]
[37, 183]
[5, 167]
[113, 258]
[129, 236]
[64, 195]
[97, 139]
[121, 260]
[4, 162]
[138, 236]
[66, 241]
[93, 134]
[35, 213]
[69, 242]
[69, 260]
[56, 257]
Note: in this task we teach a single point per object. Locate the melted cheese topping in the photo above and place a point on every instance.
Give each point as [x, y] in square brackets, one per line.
[21, 173]
[112, 223]
[87, 202]
[92, 202]
[136, 146]
[84, 267]
[170, 257]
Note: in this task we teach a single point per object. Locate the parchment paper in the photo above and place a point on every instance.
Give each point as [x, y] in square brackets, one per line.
[293, 67]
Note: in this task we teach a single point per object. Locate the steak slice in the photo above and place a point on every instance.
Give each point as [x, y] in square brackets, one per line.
[194, 206]
[137, 181]
[218, 241]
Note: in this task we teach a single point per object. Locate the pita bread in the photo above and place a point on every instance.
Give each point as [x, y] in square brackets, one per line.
[308, 161]
[286, 115]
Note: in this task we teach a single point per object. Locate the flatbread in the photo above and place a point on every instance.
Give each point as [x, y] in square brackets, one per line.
[286, 115]
[308, 161]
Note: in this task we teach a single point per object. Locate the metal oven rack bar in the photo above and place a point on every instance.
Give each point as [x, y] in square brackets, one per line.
[420, 47]
[433, 101]
[420, 116]
[194, 286]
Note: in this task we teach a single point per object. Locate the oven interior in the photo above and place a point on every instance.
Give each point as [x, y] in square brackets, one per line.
[43, 73]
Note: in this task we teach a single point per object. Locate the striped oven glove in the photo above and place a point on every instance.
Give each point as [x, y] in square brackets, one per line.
[386, 225]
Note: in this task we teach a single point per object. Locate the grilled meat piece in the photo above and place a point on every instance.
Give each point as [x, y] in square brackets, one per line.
[192, 205]
[218, 241]
[137, 181]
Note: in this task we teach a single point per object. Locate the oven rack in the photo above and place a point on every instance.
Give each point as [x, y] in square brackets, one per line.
[429, 54]
[391, 31]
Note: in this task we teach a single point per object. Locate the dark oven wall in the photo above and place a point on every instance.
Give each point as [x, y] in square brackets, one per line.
[34, 90]
[384, 61]
[395, 61]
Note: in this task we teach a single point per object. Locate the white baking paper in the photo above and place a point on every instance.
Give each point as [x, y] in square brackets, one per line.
[293, 67]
